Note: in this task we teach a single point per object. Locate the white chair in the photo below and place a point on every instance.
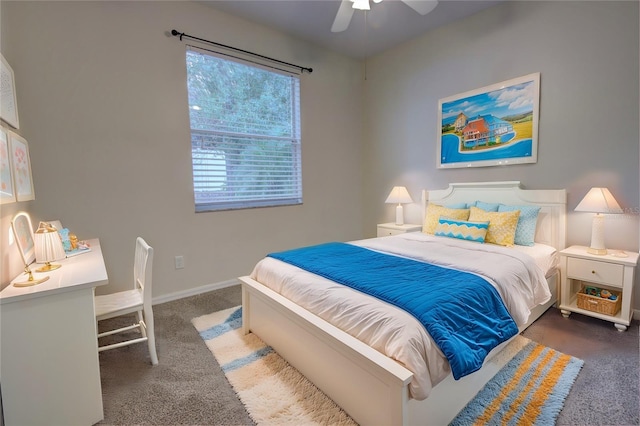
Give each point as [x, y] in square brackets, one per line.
[137, 300]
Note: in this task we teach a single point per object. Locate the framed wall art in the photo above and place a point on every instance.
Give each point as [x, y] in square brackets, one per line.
[492, 126]
[21, 167]
[7, 193]
[8, 99]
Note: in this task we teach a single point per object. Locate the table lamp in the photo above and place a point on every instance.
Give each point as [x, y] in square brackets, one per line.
[48, 246]
[598, 201]
[400, 195]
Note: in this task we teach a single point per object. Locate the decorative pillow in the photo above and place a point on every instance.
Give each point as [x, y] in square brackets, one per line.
[435, 211]
[527, 221]
[502, 225]
[489, 207]
[464, 230]
[457, 206]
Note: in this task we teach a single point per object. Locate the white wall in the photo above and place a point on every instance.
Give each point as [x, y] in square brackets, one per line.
[587, 55]
[103, 103]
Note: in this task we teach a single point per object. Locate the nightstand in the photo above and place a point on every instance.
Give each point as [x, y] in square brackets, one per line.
[386, 229]
[579, 269]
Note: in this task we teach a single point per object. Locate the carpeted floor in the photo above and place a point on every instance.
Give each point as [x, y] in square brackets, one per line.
[188, 388]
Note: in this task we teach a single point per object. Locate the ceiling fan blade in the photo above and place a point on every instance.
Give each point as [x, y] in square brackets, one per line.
[343, 17]
[421, 6]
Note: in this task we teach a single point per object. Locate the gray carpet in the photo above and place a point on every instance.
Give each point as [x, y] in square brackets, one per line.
[188, 387]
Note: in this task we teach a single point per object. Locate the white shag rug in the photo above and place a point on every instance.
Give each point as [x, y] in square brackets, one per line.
[273, 392]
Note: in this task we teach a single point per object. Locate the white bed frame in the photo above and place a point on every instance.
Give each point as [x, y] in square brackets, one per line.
[370, 387]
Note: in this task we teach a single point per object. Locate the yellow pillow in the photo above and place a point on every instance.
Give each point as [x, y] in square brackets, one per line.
[502, 225]
[435, 212]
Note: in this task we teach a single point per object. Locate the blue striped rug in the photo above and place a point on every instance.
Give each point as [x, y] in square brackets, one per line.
[530, 389]
[272, 391]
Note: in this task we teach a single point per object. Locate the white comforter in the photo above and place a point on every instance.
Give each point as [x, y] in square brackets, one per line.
[392, 331]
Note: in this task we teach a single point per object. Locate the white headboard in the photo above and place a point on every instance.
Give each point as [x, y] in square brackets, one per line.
[551, 228]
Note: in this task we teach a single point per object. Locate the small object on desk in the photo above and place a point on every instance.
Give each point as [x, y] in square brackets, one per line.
[81, 247]
[73, 240]
[66, 241]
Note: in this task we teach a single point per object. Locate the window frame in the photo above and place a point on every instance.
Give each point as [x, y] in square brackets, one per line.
[292, 142]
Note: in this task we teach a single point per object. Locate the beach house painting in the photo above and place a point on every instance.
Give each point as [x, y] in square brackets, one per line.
[491, 126]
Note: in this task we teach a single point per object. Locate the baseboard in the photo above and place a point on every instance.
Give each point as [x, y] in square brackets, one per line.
[194, 291]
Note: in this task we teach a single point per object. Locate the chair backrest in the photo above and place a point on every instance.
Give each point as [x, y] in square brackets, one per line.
[142, 269]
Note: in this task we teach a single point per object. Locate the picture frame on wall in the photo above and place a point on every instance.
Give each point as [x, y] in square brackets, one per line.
[7, 193]
[8, 98]
[496, 125]
[21, 167]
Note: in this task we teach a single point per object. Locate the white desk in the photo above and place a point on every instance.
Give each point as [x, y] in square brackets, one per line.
[49, 369]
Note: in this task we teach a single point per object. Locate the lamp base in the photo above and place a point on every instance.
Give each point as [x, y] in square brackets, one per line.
[31, 281]
[48, 267]
[598, 251]
[597, 236]
[399, 215]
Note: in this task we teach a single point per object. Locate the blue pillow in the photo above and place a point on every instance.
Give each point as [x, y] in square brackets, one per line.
[488, 207]
[527, 221]
[462, 229]
[457, 206]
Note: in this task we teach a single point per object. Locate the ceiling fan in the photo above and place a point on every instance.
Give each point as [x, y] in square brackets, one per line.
[345, 12]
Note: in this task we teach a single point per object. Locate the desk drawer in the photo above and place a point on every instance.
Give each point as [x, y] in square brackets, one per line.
[595, 271]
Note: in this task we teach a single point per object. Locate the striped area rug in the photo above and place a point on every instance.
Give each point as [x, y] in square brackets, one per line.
[530, 389]
[272, 391]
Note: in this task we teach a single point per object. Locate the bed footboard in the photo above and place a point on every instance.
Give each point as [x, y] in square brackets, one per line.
[370, 387]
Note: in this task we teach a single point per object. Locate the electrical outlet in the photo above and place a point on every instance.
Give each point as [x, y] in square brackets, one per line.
[179, 262]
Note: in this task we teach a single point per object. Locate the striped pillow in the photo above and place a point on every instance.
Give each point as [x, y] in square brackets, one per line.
[462, 229]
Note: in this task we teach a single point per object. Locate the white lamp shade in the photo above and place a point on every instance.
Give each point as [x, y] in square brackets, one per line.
[48, 244]
[598, 200]
[399, 195]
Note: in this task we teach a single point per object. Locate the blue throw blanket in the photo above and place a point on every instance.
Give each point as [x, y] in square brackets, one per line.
[462, 312]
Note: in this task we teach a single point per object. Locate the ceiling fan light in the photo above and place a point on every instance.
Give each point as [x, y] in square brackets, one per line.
[377, 1]
[361, 4]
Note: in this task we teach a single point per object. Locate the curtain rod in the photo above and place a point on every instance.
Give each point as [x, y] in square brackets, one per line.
[176, 33]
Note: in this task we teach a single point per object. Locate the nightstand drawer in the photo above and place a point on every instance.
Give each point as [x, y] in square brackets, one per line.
[595, 271]
[385, 232]
[387, 229]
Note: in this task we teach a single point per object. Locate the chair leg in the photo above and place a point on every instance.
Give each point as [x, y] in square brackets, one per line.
[141, 320]
[151, 336]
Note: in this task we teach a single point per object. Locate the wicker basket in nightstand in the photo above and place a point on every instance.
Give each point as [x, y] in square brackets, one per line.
[599, 304]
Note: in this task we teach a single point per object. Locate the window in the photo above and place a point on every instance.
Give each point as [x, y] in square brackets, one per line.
[245, 134]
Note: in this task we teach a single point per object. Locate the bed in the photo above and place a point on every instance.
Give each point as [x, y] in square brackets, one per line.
[370, 386]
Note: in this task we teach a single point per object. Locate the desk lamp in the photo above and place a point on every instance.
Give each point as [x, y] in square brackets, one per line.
[400, 195]
[48, 247]
[598, 201]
